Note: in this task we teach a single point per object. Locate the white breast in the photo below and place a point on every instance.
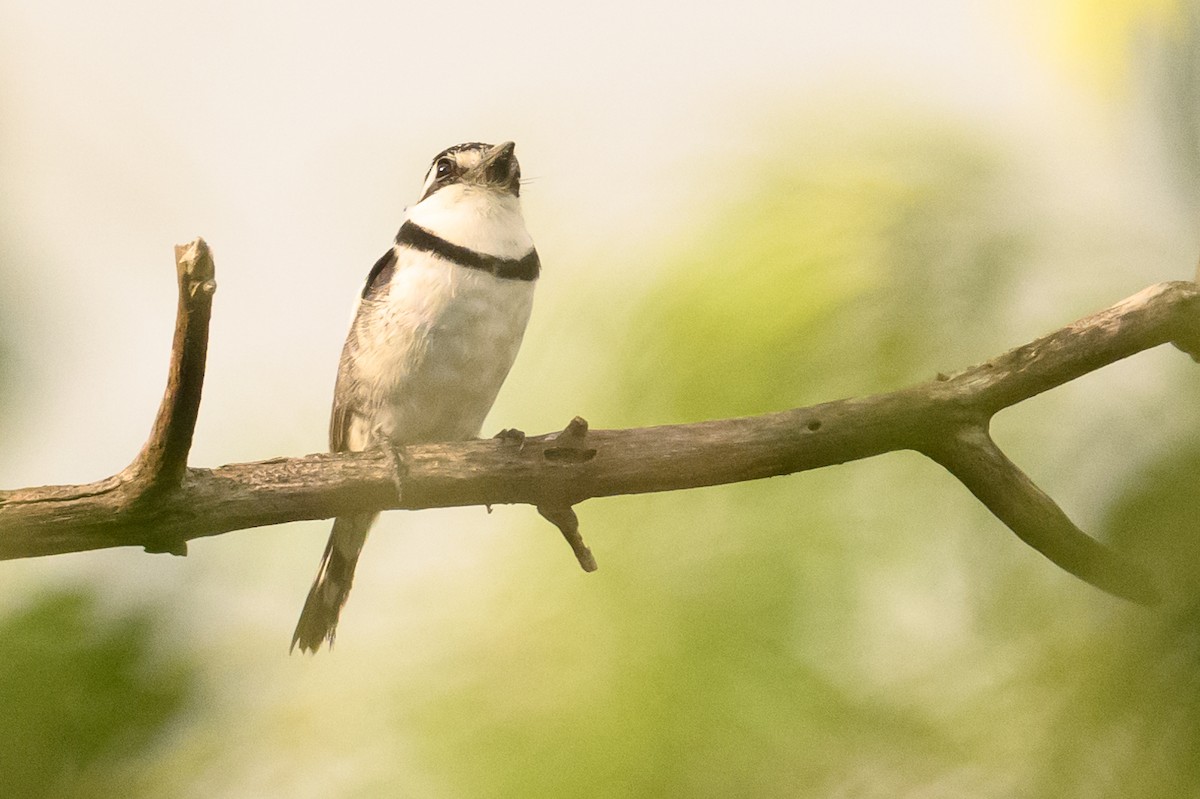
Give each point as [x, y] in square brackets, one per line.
[433, 350]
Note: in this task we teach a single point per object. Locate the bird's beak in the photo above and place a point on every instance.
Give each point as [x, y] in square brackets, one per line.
[498, 168]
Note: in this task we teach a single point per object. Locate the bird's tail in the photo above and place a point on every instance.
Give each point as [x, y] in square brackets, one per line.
[318, 620]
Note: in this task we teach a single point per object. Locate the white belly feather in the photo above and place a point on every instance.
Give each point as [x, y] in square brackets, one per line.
[433, 351]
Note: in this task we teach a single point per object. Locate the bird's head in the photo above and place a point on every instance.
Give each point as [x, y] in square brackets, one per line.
[475, 165]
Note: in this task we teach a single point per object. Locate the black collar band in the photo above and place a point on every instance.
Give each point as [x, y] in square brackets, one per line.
[417, 237]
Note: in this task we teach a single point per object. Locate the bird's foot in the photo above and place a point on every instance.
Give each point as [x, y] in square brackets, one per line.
[396, 460]
[511, 435]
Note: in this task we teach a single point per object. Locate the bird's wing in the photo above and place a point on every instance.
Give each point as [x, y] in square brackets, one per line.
[380, 274]
[342, 416]
[339, 427]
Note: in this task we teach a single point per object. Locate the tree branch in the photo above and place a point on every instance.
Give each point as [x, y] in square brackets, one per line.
[162, 464]
[159, 504]
[163, 459]
[1006, 491]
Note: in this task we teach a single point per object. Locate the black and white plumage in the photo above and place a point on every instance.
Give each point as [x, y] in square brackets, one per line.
[437, 328]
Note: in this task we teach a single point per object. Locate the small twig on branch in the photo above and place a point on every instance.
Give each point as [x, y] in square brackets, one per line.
[158, 503]
[568, 447]
[563, 517]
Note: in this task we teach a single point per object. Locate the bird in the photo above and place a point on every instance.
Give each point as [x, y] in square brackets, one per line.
[436, 330]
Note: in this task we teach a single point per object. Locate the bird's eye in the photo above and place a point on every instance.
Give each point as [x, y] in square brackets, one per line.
[444, 167]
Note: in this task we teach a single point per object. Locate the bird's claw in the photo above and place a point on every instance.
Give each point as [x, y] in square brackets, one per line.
[511, 435]
[396, 460]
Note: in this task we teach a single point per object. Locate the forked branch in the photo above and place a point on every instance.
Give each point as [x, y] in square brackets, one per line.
[159, 503]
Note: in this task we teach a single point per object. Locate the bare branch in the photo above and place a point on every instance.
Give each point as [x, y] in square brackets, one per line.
[161, 466]
[1162, 313]
[568, 447]
[978, 463]
[563, 517]
[163, 460]
[158, 504]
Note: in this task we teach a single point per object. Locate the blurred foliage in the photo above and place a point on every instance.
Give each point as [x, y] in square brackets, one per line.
[849, 270]
[1102, 37]
[83, 695]
[843, 633]
[1139, 50]
[1127, 709]
[1130, 724]
[1175, 73]
[858, 632]
[734, 635]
